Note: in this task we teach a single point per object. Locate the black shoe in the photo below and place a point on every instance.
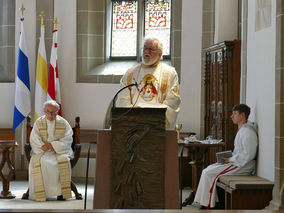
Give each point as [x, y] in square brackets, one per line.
[219, 205]
[60, 197]
[202, 207]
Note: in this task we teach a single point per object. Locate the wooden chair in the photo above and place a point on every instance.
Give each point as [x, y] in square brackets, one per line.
[76, 146]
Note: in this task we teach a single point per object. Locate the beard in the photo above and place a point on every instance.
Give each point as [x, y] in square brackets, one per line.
[149, 61]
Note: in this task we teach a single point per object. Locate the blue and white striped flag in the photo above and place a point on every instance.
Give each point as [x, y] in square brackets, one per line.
[22, 91]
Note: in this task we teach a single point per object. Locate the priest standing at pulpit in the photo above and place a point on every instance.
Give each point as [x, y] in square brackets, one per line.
[157, 83]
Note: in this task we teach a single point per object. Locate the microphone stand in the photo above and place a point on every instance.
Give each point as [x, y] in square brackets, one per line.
[113, 106]
[130, 85]
[87, 176]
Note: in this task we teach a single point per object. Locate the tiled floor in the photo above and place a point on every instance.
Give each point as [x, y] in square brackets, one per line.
[20, 187]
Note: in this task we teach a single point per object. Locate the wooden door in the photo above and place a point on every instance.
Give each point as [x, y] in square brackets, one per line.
[222, 92]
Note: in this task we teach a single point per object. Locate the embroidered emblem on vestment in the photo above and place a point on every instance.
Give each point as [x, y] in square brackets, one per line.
[149, 90]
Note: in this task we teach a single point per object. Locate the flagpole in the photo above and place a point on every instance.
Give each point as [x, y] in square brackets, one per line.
[23, 124]
[57, 84]
[56, 23]
[22, 9]
[42, 15]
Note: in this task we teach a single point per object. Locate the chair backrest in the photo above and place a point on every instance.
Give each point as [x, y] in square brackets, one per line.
[76, 132]
[29, 130]
[75, 144]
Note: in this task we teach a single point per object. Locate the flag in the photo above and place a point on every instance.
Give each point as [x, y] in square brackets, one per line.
[41, 77]
[53, 79]
[22, 91]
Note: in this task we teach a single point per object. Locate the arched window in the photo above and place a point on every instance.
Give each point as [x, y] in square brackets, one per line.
[156, 22]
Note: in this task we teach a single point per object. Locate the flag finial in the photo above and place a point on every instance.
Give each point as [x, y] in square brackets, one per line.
[42, 15]
[56, 23]
[22, 10]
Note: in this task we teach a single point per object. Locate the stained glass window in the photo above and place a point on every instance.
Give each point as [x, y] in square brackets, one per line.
[158, 21]
[157, 24]
[124, 28]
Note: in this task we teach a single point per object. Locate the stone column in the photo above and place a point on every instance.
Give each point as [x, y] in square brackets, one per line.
[278, 190]
[7, 43]
[208, 28]
[176, 35]
[244, 29]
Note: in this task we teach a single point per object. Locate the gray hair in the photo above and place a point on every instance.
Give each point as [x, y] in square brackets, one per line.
[155, 42]
[51, 102]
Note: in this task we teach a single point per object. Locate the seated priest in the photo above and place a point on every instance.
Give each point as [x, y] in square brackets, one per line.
[157, 82]
[49, 168]
[242, 161]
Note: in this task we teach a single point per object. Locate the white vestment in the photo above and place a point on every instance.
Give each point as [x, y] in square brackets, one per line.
[48, 161]
[158, 86]
[242, 162]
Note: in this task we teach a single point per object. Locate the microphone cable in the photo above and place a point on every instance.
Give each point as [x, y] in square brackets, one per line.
[125, 113]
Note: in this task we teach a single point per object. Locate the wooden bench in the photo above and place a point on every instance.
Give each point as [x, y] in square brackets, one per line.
[245, 191]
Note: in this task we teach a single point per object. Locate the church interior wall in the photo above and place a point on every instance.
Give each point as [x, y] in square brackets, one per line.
[6, 104]
[226, 18]
[87, 100]
[190, 87]
[260, 93]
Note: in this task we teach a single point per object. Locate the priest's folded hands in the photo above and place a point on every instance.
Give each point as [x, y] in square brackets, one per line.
[47, 146]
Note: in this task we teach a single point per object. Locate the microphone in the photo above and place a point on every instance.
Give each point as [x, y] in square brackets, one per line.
[130, 85]
[136, 84]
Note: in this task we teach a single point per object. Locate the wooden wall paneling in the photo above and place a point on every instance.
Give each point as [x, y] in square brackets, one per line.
[207, 87]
